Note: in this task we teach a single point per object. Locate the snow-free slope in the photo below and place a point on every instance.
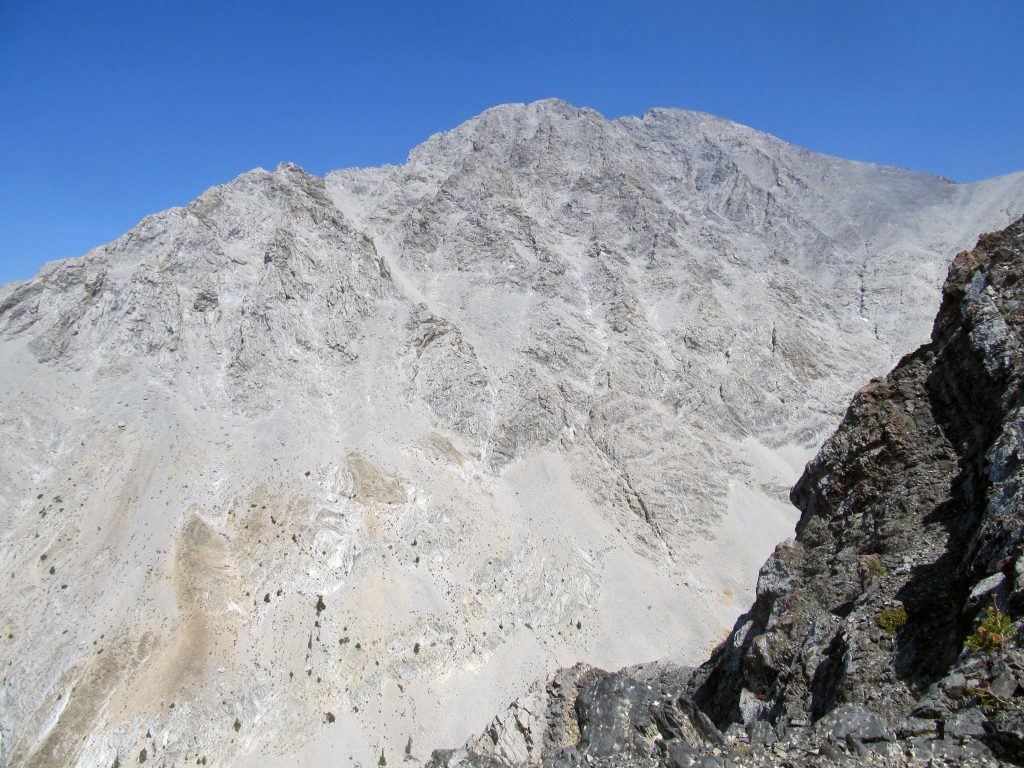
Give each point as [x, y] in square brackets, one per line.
[289, 470]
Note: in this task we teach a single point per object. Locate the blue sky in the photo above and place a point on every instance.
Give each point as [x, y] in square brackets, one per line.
[113, 110]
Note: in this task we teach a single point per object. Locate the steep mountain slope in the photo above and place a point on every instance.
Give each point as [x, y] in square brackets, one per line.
[891, 631]
[293, 467]
[911, 526]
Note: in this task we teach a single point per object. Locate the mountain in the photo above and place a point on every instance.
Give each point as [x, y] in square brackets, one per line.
[291, 469]
[891, 630]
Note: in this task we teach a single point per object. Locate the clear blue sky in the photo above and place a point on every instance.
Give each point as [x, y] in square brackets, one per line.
[113, 110]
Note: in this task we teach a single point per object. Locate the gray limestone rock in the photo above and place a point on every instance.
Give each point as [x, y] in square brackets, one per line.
[967, 724]
[885, 635]
[850, 721]
[543, 384]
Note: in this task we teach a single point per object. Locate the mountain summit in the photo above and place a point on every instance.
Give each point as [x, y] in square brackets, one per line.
[290, 469]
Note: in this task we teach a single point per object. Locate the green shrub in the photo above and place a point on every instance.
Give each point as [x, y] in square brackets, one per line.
[994, 631]
[892, 619]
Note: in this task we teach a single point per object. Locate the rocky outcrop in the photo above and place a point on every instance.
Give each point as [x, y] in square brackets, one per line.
[889, 631]
[911, 529]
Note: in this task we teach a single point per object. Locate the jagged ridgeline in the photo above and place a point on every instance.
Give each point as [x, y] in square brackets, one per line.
[891, 631]
[290, 470]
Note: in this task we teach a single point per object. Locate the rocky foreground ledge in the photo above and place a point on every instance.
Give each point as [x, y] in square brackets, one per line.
[890, 631]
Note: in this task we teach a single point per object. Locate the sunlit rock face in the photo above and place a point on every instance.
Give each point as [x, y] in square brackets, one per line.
[889, 631]
[291, 469]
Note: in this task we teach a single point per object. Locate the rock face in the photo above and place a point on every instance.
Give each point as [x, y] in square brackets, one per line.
[890, 631]
[364, 445]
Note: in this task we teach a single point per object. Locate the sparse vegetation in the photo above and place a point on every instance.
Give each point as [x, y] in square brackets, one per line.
[994, 631]
[873, 565]
[987, 700]
[892, 620]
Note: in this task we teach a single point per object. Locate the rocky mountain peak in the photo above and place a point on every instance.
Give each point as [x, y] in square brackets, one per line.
[393, 437]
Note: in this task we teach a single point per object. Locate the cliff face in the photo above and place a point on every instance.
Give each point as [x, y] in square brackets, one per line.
[911, 525]
[889, 630]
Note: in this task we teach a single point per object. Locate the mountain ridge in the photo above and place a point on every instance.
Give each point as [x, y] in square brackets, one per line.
[518, 107]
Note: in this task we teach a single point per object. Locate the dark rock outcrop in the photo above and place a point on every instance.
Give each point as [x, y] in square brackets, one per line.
[890, 630]
[911, 526]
